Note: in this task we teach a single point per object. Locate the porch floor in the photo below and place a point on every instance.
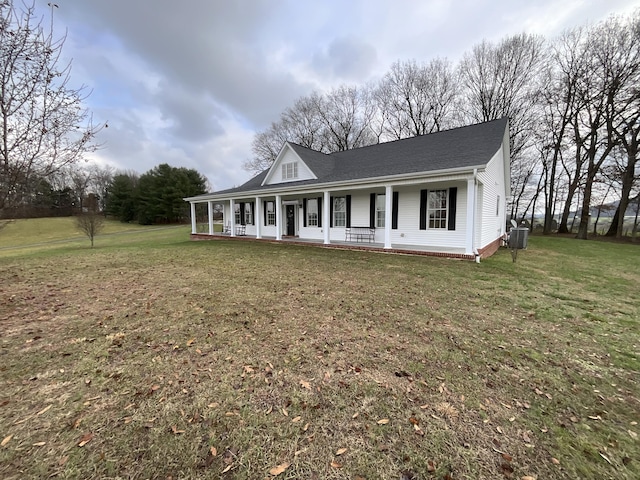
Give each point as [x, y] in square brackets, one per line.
[374, 246]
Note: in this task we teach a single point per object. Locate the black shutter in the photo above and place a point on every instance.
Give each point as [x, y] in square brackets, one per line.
[394, 211]
[453, 197]
[348, 199]
[423, 209]
[372, 210]
[253, 212]
[242, 219]
[319, 212]
[304, 212]
[264, 211]
[331, 211]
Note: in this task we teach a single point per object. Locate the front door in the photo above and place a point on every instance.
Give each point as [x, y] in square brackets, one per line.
[291, 220]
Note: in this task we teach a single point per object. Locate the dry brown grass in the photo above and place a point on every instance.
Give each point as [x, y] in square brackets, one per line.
[171, 359]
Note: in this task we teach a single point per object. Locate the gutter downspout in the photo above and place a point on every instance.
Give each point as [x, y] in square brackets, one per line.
[473, 216]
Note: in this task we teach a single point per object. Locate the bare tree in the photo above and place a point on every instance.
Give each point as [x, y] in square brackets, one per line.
[503, 80]
[346, 114]
[626, 126]
[417, 99]
[80, 181]
[101, 178]
[340, 120]
[560, 102]
[43, 125]
[613, 71]
[90, 223]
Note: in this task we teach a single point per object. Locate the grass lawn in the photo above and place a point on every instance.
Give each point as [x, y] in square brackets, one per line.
[150, 356]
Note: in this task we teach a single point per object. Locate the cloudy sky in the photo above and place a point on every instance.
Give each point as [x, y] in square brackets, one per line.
[189, 82]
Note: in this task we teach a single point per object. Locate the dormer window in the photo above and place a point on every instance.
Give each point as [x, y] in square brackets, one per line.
[289, 171]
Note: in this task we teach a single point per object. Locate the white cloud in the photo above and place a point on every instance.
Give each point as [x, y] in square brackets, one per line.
[188, 83]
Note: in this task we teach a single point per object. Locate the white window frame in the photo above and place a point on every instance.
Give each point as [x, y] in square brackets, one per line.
[290, 170]
[340, 216]
[248, 214]
[236, 214]
[312, 212]
[271, 213]
[437, 209]
[380, 210]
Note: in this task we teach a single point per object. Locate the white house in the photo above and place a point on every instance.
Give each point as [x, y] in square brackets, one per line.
[440, 194]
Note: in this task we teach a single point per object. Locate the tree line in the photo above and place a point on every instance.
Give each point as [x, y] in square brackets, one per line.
[573, 103]
[153, 197]
[45, 132]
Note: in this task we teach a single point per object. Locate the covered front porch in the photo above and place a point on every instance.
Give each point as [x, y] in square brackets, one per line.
[435, 217]
[314, 217]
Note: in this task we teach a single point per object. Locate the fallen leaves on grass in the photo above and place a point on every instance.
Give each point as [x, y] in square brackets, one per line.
[275, 471]
[340, 451]
[175, 430]
[213, 451]
[86, 438]
[6, 440]
[383, 421]
[305, 384]
[44, 410]
[335, 464]
[447, 410]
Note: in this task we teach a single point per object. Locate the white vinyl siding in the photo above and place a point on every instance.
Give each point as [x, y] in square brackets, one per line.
[408, 231]
[288, 167]
[491, 202]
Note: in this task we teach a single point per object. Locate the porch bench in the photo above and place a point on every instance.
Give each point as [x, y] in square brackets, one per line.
[359, 234]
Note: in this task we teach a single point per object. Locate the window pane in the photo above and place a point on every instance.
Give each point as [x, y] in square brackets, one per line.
[380, 206]
[271, 214]
[339, 212]
[437, 208]
[312, 212]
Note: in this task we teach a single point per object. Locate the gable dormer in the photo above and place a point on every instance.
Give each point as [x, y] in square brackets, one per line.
[288, 167]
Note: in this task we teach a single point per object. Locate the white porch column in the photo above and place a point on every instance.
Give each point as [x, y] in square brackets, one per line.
[194, 226]
[278, 217]
[471, 215]
[388, 196]
[232, 215]
[210, 216]
[326, 217]
[257, 219]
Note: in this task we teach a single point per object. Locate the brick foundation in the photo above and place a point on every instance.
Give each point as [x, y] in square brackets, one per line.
[485, 252]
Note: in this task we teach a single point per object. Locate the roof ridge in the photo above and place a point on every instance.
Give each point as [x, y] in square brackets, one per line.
[416, 136]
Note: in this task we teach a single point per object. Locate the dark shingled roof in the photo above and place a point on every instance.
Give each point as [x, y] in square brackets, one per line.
[470, 146]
